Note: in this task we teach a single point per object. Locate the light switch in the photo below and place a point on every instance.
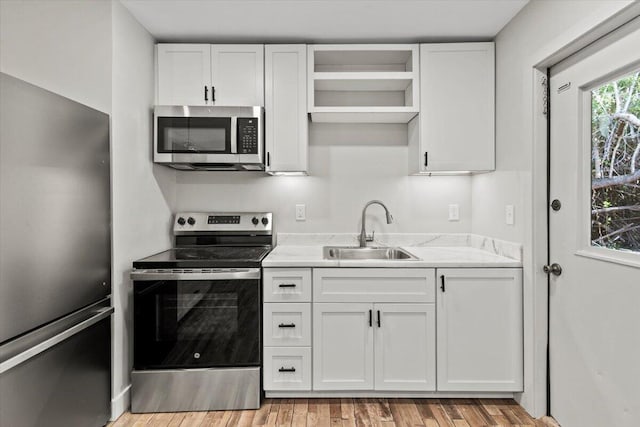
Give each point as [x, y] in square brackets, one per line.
[454, 212]
[301, 213]
[509, 214]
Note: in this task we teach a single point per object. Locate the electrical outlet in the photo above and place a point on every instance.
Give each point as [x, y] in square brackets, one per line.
[454, 213]
[509, 214]
[301, 213]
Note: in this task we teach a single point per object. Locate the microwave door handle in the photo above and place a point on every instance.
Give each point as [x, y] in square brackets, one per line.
[234, 136]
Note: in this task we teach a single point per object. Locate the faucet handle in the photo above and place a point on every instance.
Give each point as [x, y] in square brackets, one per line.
[371, 237]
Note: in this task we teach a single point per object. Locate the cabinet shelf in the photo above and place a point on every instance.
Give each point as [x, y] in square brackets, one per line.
[363, 83]
[378, 81]
[363, 114]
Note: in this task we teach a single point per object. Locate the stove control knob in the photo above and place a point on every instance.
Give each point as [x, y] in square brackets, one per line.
[265, 221]
[191, 221]
[254, 221]
[181, 221]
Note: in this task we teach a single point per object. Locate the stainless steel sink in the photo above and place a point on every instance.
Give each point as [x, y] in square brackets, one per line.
[356, 252]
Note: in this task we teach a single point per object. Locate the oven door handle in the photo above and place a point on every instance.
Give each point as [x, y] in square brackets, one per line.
[195, 274]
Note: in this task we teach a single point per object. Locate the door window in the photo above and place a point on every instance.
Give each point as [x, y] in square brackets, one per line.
[615, 164]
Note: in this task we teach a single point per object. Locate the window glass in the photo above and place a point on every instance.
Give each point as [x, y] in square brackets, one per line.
[615, 164]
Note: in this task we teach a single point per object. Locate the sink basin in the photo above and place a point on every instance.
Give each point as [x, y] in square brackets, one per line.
[356, 252]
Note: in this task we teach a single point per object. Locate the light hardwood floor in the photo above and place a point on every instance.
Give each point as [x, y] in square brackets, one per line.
[349, 412]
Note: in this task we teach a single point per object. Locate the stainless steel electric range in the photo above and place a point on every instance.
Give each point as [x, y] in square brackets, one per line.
[197, 315]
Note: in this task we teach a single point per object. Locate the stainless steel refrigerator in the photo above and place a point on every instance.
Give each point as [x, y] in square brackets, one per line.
[55, 260]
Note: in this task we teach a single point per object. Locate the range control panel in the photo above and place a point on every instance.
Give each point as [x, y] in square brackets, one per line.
[248, 135]
[223, 221]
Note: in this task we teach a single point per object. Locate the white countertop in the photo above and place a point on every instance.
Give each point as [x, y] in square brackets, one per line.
[432, 256]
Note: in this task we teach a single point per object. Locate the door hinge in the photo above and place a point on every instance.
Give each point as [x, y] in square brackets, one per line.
[545, 95]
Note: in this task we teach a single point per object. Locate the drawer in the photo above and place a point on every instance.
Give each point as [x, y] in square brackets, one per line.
[374, 285]
[287, 368]
[287, 324]
[287, 285]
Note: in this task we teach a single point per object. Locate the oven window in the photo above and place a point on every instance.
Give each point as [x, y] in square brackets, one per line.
[196, 324]
[194, 135]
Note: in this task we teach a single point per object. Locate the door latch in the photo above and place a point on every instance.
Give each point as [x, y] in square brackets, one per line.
[554, 269]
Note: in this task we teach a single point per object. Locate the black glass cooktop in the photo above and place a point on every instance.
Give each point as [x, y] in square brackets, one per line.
[206, 257]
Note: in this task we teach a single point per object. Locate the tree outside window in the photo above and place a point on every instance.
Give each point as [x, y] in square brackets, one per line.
[615, 164]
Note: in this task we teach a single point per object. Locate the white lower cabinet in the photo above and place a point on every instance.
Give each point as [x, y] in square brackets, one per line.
[287, 368]
[342, 346]
[368, 332]
[480, 334]
[405, 353]
[287, 324]
[286, 329]
[393, 330]
[359, 346]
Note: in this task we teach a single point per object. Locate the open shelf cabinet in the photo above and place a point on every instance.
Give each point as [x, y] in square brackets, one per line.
[363, 83]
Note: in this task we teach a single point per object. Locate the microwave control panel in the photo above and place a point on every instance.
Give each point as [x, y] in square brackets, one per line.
[247, 135]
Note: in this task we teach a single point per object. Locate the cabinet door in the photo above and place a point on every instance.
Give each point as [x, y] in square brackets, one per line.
[183, 74]
[457, 107]
[342, 347]
[479, 326]
[405, 347]
[237, 73]
[286, 108]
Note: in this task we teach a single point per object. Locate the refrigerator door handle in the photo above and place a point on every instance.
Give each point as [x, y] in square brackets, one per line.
[54, 340]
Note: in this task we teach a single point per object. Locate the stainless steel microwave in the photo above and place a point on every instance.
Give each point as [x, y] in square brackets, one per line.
[209, 138]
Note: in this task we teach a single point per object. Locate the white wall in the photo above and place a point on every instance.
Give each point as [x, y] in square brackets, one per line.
[348, 166]
[541, 29]
[142, 192]
[96, 53]
[63, 46]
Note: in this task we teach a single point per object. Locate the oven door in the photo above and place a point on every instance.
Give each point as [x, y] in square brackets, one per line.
[191, 320]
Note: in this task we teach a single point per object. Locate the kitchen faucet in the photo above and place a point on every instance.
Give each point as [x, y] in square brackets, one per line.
[363, 233]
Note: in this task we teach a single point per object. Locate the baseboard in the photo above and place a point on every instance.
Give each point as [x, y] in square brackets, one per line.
[388, 394]
[120, 403]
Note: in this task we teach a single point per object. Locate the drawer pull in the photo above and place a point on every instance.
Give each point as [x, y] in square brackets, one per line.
[287, 325]
[283, 369]
[287, 285]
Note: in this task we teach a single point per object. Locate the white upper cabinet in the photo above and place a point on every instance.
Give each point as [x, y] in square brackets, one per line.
[237, 74]
[479, 329]
[183, 74]
[377, 83]
[286, 126]
[455, 131]
[203, 74]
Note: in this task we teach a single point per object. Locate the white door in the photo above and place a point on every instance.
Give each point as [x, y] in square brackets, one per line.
[184, 74]
[342, 346]
[405, 347]
[237, 74]
[480, 334]
[595, 235]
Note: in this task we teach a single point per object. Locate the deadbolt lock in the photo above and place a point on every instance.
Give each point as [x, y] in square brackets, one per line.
[556, 205]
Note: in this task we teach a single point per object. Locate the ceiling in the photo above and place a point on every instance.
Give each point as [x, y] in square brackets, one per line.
[323, 21]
